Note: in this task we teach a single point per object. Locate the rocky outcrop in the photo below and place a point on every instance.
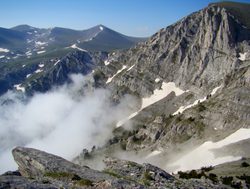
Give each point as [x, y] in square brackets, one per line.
[35, 163]
[146, 173]
[38, 169]
[45, 167]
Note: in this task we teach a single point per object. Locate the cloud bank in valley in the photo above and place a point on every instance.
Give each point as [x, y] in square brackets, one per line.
[62, 121]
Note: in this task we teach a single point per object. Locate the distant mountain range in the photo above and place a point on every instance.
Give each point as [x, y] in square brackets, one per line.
[24, 41]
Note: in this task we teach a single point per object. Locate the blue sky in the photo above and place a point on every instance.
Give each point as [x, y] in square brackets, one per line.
[130, 17]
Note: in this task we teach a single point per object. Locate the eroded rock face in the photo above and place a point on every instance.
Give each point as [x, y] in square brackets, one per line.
[196, 53]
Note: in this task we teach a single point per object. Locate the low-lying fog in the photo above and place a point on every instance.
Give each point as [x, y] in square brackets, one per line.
[62, 121]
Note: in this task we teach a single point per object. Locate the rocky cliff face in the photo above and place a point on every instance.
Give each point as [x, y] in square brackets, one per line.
[196, 52]
[205, 54]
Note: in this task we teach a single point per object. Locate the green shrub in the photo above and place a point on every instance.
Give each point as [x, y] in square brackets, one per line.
[123, 145]
[244, 164]
[201, 107]
[191, 174]
[206, 169]
[245, 178]
[227, 180]
[213, 177]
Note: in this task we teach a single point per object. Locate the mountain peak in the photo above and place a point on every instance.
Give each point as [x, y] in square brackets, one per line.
[100, 27]
[238, 9]
[22, 27]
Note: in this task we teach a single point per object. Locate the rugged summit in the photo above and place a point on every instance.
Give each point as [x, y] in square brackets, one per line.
[196, 52]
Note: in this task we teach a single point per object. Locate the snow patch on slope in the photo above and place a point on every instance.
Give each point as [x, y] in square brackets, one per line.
[75, 47]
[56, 62]
[39, 43]
[19, 88]
[183, 108]
[242, 56]
[27, 76]
[41, 65]
[38, 71]
[131, 67]
[4, 50]
[158, 94]
[203, 155]
[157, 80]
[40, 52]
[119, 71]
[28, 53]
[154, 153]
[106, 62]
[121, 122]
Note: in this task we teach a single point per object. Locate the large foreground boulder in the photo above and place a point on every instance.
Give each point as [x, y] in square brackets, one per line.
[35, 163]
[53, 169]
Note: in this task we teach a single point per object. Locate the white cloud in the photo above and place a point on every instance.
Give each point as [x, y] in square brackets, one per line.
[62, 121]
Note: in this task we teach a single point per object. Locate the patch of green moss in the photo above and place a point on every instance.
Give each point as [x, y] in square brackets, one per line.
[147, 176]
[174, 57]
[145, 182]
[133, 164]
[84, 182]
